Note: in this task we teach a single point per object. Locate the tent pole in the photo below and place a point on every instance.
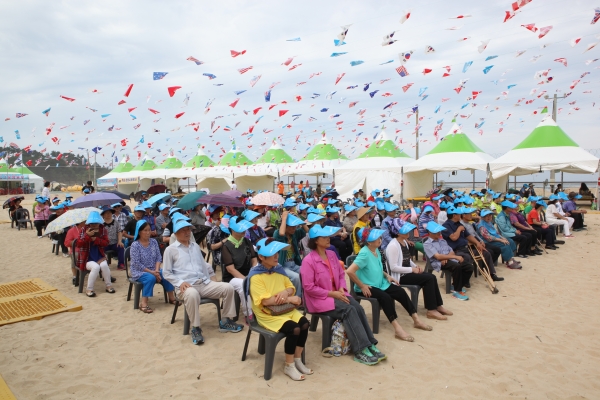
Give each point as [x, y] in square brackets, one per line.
[402, 185]
[473, 179]
[417, 133]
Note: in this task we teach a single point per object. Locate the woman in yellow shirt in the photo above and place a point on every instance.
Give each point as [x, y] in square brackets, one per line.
[270, 286]
[363, 220]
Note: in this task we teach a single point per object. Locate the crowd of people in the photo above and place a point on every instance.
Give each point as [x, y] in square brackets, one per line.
[279, 260]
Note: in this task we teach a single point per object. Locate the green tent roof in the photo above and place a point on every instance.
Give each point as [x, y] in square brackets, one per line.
[171, 163]
[456, 142]
[200, 160]
[234, 158]
[145, 165]
[324, 151]
[546, 134]
[383, 147]
[275, 155]
[123, 166]
[21, 170]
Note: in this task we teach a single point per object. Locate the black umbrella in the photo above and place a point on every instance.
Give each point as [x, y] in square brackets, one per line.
[7, 202]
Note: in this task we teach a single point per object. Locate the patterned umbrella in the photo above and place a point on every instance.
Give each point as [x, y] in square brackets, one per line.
[68, 219]
[96, 200]
[7, 202]
[267, 199]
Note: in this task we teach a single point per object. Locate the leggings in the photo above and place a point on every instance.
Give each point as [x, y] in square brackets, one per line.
[386, 300]
[295, 334]
[39, 225]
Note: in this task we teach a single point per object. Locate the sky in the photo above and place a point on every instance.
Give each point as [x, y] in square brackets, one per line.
[92, 52]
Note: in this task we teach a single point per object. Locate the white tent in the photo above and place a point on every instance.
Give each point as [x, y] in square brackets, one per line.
[380, 166]
[454, 152]
[548, 147]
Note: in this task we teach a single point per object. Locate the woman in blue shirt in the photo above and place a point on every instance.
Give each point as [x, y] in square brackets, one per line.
[370, 280]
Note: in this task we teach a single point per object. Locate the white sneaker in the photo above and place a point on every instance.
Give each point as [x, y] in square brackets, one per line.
[66, 255]
[39, 237]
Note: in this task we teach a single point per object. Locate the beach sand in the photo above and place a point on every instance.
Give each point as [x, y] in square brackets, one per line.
[536, 339]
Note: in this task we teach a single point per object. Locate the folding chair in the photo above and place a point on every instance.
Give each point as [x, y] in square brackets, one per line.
[133, 283]
[267, 342]
[22, 217]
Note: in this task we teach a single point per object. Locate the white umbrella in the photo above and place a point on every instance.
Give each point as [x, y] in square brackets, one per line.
[68, 219]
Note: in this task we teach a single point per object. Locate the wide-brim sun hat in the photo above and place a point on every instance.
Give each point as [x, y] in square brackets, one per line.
[434, 227]
[292, 220]
[508, 204]
[239, 224]
[180, 224]
[268, 250]
[362, 211]
[312, 218]
[249, 215]
[332, 210]
[406, 228]
[163, 206]
[138, 227]
[486, 213]
[349, 208]
[139, 208]
[94, 218]
[322, 231]
[371, 234]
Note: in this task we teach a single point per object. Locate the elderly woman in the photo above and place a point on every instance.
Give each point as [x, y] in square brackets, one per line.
[370, 280]
[269, 286]
[341, 240]
[490, 235]
[542, 228]
[89, 251]
[325, 292]
[41, 214]
[145, 265]
[404, 271]
[255, 232]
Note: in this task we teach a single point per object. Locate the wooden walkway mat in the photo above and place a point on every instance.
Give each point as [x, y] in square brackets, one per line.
[5, 393]
[33, 299]
[30, 286]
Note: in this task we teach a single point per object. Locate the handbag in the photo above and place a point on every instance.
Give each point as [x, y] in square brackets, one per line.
[280, 309]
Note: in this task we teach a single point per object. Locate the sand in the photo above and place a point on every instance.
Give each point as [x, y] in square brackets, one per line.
[536, 339]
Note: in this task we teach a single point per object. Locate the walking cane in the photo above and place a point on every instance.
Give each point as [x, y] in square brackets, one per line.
[484, 272]
[540, 243]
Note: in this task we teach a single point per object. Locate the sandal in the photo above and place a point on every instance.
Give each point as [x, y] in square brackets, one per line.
[110, 290]
[146, 310]
[91, 294]
[292, 372]
[407, 338]
[302, 368]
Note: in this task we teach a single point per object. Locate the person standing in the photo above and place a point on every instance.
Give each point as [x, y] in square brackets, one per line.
[233, 185]
[46, 190]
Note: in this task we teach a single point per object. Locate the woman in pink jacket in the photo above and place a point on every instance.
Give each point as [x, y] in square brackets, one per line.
[41, 213]
[325, 292]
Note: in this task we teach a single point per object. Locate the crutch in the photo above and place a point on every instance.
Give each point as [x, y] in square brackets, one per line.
[485, 272]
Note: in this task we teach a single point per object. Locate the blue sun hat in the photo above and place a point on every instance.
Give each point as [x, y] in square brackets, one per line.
[249, 215]
[239, 226]
[509, 196]
[268, 250]
[578, 196]
[508, 204]
[163, 206]
[349, 208]
[370, 204]
[553, 197]
[172, 210]
[312, 210]
[292, 220]
[355, 191]
[177, 217]
[389, 207]
[54, 200]
[563, 196]
[302, 207]
[180, 224]
[543, 203]
[434, 227]
[116, 205]
[249, 202]
[370, 235]
[387, 195]
[140, 208]
[359, 203]
[441, 196]
[94, 218]
[496, 195]
[332, 201]
[486, 212]
[375, 192]
[67, 197]
[86, 190]
[331, 210]
[312, 218]
[406, 228]
[445, 205]
[146, 205]
[289, 203]
[417, 210]
[138, 227]
[322, 231]
[427, 209]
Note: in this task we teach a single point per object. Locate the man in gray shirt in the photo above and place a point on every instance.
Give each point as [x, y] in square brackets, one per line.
[490, 253]
[194, 279]
[163, 219]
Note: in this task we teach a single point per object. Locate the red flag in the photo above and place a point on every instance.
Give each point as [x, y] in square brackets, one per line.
[128, 90]
[232, 105]
[256, 110]
[67, 98]
[121, 102]
[426, 71]
[131, 109]
[153, 111]
[172, 90]
[58, 157]
[282, 112]
[179, 115]
[123, 142]
[29, 163]
[339, 77]
[237, 53]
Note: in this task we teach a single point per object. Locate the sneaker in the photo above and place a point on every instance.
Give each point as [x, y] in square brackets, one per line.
[121, 267]
[66, 255]
[464, 289]
[197, 337]
[39, 237]
[514, 266]
[230, 326]
[376, 353]
[460, 296]
[365, 357]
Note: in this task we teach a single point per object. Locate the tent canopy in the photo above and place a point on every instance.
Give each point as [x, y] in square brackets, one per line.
[146, 164]
[200, 160]
[123, 166]
[275, 155]
[171, 163]
[548, 147]
[322, 158]
[234, 158]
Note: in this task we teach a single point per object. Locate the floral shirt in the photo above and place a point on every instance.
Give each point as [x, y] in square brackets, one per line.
[113, 230]
[143, 258]
[215, 236]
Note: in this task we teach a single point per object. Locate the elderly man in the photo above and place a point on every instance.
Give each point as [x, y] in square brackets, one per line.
[121, 218]
[458, 238]
[129, 231]
[163, 219]
[489, 252]
[570, 209]
[442, 257]
[193, 278]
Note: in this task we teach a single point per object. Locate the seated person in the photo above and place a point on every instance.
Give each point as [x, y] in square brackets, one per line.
[238, 257]
[115, 238]
[149, 217]
[585, 191]
[363, 220]
[518, 220]
[72, 234]
[255, 232]
[371, 280]
[89, 248]
[571, 210]
[555, 217]
[163, 219]
[544, 231]
[194, 279]
[138, 215]
[490, 253]
[217, 237]
[268, 285]
[491, 237]
[145, 265]
[350, 219]
[341, 240]
[406, 272]
[457, 237]
[325, 292]
[441, 257]
[290, 259]
[506, 229]
[391, 210]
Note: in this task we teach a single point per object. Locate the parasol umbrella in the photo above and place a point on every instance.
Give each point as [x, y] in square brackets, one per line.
[68, 219]
[154, 189]
[157, 197]
[96, 200]
[233, 193]
[267, 199]
[117, 193]
[190, 200]
[220, 200]
[7, 202]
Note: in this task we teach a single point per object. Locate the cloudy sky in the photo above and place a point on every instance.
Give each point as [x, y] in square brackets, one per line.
[73, 48]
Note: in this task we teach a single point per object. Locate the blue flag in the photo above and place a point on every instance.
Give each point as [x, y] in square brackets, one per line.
[268, 96]
[159, 75]
[487, 69]
[467, 65]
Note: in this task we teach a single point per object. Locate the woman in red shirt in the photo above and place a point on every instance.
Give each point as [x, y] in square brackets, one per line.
[542, 229]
